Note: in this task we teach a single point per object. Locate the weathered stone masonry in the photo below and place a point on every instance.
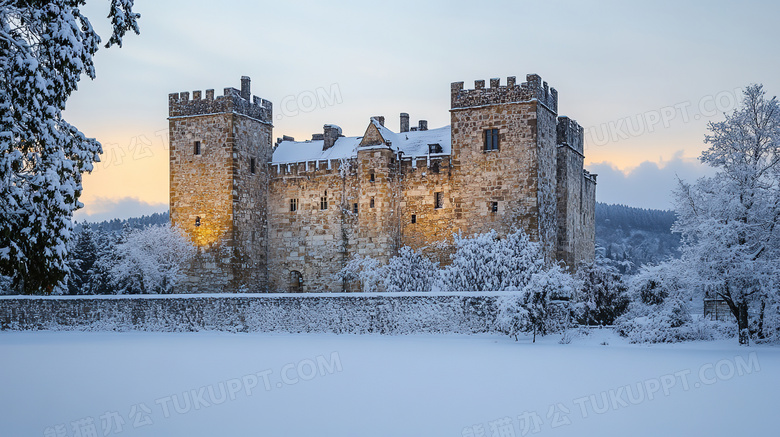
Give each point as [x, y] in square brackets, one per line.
[291, 225]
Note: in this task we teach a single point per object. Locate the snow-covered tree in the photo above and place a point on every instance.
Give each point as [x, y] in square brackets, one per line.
[45, 46]
[363, 269]
[82, 256]
[488, 263]
[151, 260]
[602, 296]
[730, 222]
[541, 307]
[409, 271]
[99, 276]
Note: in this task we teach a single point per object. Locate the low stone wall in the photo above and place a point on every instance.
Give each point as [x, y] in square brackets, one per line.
[385, 313]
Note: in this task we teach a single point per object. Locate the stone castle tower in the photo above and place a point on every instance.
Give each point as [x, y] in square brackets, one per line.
[220, 149]
[287, 217]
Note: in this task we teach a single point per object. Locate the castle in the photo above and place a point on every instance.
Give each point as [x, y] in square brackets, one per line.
[287, 215]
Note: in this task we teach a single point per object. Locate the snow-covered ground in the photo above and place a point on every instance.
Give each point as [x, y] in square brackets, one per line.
[219, 384]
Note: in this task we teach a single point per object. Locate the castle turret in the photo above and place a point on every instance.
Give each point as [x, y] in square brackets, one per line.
[504, 158]
[219, 150]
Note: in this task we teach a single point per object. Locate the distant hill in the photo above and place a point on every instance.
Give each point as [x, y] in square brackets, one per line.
[638, 235]
[116, 225]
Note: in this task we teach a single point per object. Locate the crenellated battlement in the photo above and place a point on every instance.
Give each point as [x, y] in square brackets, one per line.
[306, 168]
[570, 133]
[232, 100]
[533, 89]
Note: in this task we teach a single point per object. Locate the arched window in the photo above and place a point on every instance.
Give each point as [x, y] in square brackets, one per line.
[296, 282]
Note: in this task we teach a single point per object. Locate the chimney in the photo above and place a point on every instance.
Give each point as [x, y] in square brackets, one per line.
[423, 125]
[332, 133]
[245, 90]
[404, 122]
[380, 119]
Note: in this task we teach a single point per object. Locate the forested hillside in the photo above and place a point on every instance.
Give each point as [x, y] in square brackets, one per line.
[638, 235]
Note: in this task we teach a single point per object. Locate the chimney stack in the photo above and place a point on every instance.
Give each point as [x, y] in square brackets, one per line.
[331, 134]
[423, 125]
[380, 119]
[245, 90]
[404, 122]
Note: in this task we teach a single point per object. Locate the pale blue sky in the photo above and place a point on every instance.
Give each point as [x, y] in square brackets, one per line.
[646, 77]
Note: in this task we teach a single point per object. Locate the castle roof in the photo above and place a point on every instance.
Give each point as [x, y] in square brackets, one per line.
[414, 143]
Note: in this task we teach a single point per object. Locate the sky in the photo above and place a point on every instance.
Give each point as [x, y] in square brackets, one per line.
[642, 78]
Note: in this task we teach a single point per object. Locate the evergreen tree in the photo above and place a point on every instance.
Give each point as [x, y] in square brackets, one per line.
[45, 46]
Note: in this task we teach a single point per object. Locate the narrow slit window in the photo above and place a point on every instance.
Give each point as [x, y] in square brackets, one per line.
[414, 218]
[196, 148]
[372, 177]
[252, 165]
[494, 207]
[438, 201]
[371, 203]
[355, 208]
[197, 221]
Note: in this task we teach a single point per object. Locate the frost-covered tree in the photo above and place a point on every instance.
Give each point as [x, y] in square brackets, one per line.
[602, 296]
[409, 271]
[82, 257]
[541, 306]
[660, 308]
[45, 47]
[362, 269]
[488, 263]
[99, 276]
[730, 222]
[151, 260]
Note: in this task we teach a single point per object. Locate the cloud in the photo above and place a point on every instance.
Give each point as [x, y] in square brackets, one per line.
[649, 185]
[98, 209]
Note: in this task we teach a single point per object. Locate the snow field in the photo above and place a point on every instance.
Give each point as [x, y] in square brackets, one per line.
[207, 383]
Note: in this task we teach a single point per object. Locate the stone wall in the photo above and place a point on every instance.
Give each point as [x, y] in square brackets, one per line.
[432, 228]
[317, 243]
[312, 241]
[390, 313]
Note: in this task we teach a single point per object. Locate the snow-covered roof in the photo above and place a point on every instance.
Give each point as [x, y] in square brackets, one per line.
[409, 143]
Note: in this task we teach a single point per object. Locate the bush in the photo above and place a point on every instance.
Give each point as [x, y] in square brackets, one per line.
[488, 263]
[409, 271]
[541, 307]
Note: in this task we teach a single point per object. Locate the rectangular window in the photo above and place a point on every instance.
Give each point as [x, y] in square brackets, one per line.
[324, 202]
[252, 165]
[372, 177]
[354, 208]
[491, 139]
[196, 148]
[493, 206]
[293, 205]
[438, 201]
[371, 204]
[414, 218]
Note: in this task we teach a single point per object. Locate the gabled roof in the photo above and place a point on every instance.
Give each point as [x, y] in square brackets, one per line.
[408, 143]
